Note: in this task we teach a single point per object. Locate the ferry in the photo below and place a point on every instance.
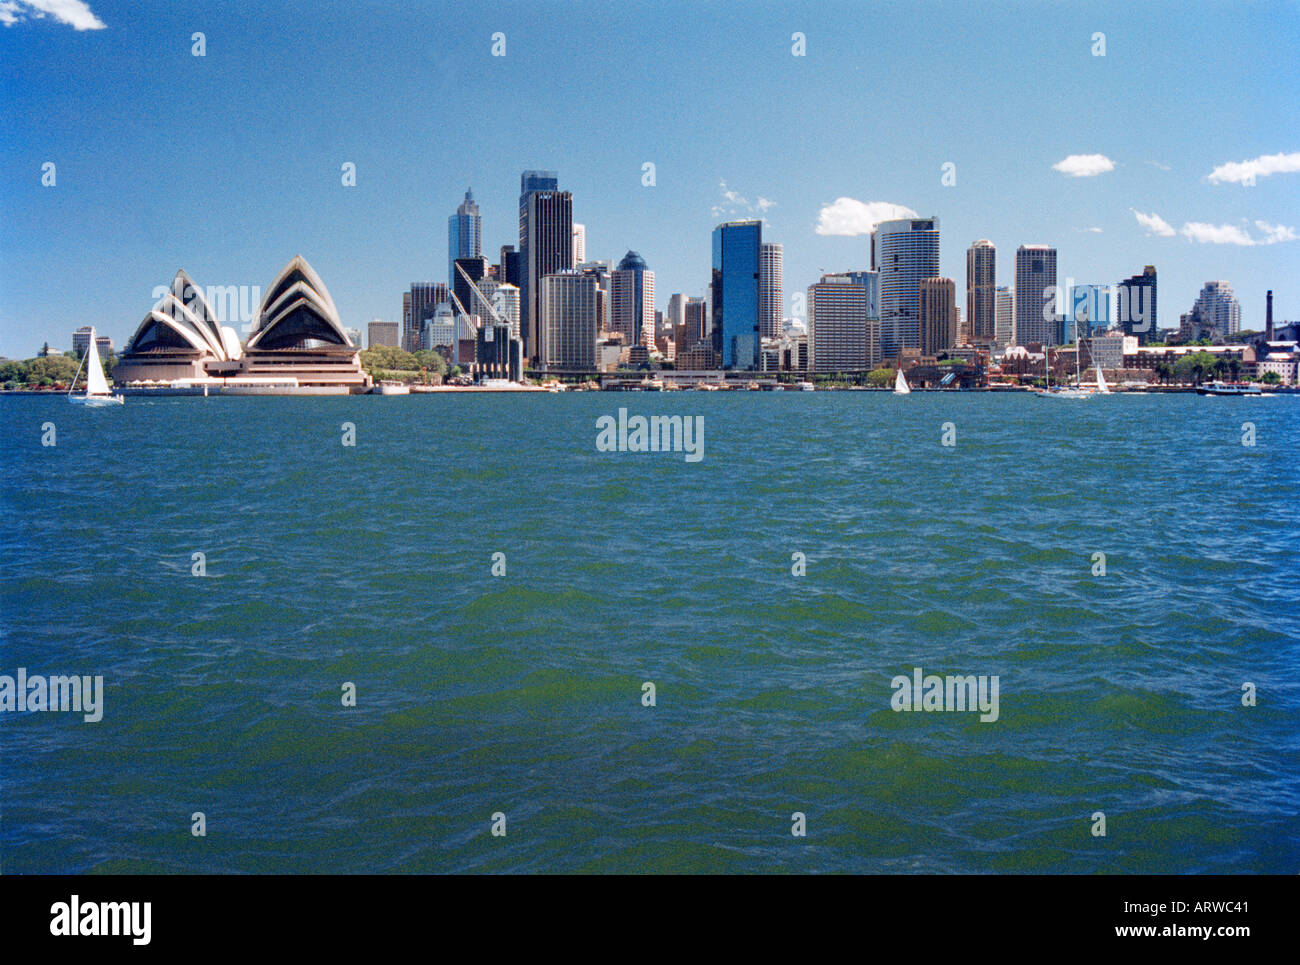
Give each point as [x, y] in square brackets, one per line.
[1229, 388]
[806, 387]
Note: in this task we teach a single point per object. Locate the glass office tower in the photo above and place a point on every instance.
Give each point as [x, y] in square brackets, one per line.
[736, 247]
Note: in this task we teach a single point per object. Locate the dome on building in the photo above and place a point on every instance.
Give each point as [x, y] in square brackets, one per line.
[632, 261]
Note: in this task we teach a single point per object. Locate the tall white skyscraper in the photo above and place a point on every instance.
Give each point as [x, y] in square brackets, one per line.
[579, 243]
[904, 252]
[1216, 314]
[771, 288]
[1037, 309]
[1004, 324]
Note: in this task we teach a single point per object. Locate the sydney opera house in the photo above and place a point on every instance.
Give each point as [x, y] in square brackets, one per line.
[297, 343]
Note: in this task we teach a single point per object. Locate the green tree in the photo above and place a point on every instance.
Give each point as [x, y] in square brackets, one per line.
[881, 378]
[1271, 378]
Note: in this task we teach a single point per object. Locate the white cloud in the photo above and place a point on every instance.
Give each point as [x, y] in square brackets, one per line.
[75, 13]
[848, 216]
[1162, 167]
[1245, 172]
[1094, 231]
[1084, 165]
[1227, 234]
[1224, 234]
[1273, 233]
[1154, 224]
[733, 203]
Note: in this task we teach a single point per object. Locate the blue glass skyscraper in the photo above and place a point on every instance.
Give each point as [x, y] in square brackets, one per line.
[463, 235]
[734, 288]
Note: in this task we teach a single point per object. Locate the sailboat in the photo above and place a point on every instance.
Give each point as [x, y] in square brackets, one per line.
[1060, 392]
[1103, 387]
[97, 392]
[900, 384]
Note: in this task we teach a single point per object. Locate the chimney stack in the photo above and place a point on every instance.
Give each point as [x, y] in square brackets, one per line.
[1268, 319]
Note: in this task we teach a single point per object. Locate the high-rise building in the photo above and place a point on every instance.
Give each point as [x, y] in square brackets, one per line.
[937, 308]
[409, 331]
[771, 288]
[463, 235]
[81, 342]
[1004, 313]
[579, 243]
[510, 272]
[981, 285]
[632, 301]
[1036, 304]
[694, 327]
[675, 316]
[870, 280]
[476, 268]
[381, 333]
[504, 300]
[569, 320]
[842, 335]
[904, 252]
[421, 304]
[1216, 314]
[734, 290]
[1089, 311]
[1135, 303]
[545, 247]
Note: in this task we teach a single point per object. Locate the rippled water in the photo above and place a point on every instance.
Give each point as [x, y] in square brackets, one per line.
[522, 694]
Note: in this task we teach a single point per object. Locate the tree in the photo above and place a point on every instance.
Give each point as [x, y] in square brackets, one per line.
[1271, 378]
[880, 378]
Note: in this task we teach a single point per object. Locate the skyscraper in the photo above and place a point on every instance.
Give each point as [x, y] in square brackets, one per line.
[545, 246]
[981, 283]
[1036, 304]
[1089, 311]
[1135, 303]
[632, 301]
[1216, 314]
[463, 235]
[476, 269]
[579, 243]
[904, 252]
[734, 288]
[870, 280]
[1004, 325]
[937, 308]
[511, 273]
[569, 320]
[842, 334]
[424, 298]
[771, 289]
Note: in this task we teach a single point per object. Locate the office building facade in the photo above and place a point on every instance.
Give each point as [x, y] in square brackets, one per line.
[904, 252]
[734, 293]
[1037, 311]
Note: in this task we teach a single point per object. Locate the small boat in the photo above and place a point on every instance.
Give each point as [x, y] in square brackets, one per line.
[97, 392]
[900, 384]
[807, 387]
[1229, 388]
[1103, 388]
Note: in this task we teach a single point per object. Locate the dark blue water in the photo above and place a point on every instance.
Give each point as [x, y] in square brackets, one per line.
[521, 694]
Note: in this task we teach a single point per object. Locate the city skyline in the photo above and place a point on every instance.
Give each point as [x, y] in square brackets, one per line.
[269, 185]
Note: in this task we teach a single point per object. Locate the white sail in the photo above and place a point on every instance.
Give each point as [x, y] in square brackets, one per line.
[900, 383]
[1102, 387]
[96, 384]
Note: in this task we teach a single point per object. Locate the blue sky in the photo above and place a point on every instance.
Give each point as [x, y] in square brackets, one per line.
[229, 164]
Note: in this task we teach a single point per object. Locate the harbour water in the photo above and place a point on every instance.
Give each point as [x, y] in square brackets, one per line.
[521, 694]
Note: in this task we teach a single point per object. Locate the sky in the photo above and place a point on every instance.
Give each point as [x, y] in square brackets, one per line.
[1180, 147]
